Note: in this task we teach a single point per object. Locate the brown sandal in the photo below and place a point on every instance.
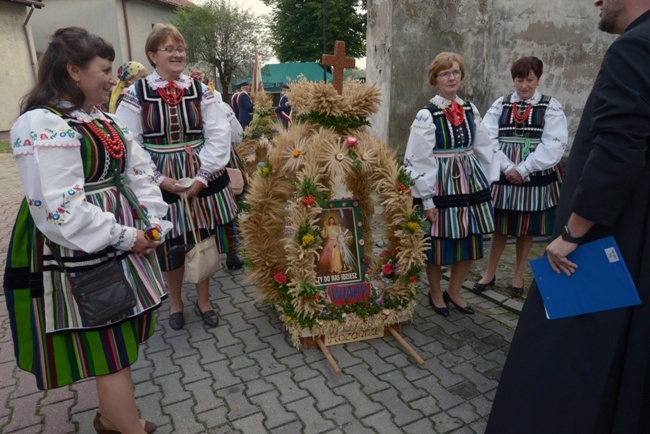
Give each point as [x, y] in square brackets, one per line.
[104, 426]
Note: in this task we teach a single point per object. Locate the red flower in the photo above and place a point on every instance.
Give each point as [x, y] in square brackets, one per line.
[280, 277]
[351, 141]
[414, 278]
[308, 201]
[383, 253]
[387, 269]
[403, 188]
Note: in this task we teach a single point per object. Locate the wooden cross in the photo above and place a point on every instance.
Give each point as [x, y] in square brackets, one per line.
[340, 63]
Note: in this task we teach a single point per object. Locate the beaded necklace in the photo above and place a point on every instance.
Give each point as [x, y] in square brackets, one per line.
[520, 118]
[111, 140]
[172, 94]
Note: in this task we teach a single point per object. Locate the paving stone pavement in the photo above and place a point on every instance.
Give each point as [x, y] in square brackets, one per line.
[246, 377]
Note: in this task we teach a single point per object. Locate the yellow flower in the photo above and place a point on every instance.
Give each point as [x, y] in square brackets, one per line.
[307, 240]
[413, 226]
[296, 153]
[265, 170]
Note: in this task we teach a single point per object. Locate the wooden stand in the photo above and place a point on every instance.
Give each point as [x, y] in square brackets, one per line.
[319, 341]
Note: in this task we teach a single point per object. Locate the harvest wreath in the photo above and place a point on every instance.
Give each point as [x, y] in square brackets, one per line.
[306, 170]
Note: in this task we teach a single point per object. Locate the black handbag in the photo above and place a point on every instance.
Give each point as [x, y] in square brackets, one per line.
[102, 294]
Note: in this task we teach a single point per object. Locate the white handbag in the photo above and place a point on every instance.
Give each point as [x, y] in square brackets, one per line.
[202, 261]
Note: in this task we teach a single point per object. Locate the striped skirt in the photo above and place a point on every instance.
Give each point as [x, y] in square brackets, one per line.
[520, 223]
[58, 359]
[540, 193]
[213, 206]
[446, 251]
[462, 198]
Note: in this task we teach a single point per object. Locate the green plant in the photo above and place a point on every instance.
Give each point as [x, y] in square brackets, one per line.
[5, 146]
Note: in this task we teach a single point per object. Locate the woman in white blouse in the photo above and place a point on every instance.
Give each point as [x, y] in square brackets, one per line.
[68, 153]
[179, 122]
[530, 130]
[449, 155]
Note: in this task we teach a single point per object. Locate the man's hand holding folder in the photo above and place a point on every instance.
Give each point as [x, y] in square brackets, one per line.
[598, 280]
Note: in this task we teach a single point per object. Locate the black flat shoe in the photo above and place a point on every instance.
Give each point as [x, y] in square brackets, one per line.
[466, 310]
[209, 317]
[233, 262]
[104, 426]
[444, 311]
[517, 292]
[480, 287]
[177, 320]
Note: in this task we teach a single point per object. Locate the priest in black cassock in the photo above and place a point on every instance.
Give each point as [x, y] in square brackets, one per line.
[591, 373]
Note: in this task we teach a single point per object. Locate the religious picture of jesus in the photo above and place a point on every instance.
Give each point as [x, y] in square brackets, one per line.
[339, 256]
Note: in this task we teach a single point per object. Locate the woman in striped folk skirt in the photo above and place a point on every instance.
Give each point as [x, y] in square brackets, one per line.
[68, 153]
[531, 132]
[451, 160]
[179, 122]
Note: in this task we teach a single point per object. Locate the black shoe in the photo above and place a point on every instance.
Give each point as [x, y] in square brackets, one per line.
[480, 287]
[209, 317]
[233, 262]
[444, 311]
[517, 292]
[467, 309]
[176, 320]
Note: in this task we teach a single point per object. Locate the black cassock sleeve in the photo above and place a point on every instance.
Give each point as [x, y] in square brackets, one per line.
[620, 129]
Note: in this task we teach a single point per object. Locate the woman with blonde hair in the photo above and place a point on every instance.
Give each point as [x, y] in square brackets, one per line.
[450, 157]
[127, 74]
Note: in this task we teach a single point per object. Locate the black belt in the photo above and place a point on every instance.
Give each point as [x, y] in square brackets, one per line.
[214, 186]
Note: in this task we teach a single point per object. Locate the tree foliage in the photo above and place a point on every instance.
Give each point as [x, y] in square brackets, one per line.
[297, 28]
[223, 36]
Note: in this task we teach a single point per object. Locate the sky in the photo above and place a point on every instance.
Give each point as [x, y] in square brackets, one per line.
[259, 8]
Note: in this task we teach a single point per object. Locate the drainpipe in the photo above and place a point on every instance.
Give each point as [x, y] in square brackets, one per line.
[128, 35]
[32, 53]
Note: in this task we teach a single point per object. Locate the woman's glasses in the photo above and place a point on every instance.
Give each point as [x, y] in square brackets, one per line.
[448, 74]
[170, 50]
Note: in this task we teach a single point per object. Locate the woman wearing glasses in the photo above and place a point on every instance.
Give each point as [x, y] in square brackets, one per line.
[450, 157]
[531, 131]
[179, 122]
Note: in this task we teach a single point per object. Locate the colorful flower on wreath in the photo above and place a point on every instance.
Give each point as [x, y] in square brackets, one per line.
[414, 278]
[413, 226]
[308, 201]
[403, 189]
[265, 169]
[351, 141]
[296, 153]
[387, 269]
[380, 302]
[383, 253]
[280, 278]
[308, 240]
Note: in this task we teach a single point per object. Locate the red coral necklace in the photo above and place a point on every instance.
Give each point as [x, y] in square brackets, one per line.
[520, 118]
[172, 94]
[111, 140]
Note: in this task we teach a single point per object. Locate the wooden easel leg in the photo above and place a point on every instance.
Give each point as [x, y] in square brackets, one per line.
[406, 346]
[328, 355]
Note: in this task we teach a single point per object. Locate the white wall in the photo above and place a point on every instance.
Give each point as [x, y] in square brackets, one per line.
[15, 61]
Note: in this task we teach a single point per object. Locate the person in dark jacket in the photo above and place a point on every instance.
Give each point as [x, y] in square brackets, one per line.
[591, 373]
[245, 105]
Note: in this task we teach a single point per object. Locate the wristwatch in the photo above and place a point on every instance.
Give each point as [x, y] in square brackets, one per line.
[566, 236]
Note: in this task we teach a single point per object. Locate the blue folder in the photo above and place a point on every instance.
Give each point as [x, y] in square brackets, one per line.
[601, 281]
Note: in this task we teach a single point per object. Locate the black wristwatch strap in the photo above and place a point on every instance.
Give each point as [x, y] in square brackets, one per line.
[566, 236]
